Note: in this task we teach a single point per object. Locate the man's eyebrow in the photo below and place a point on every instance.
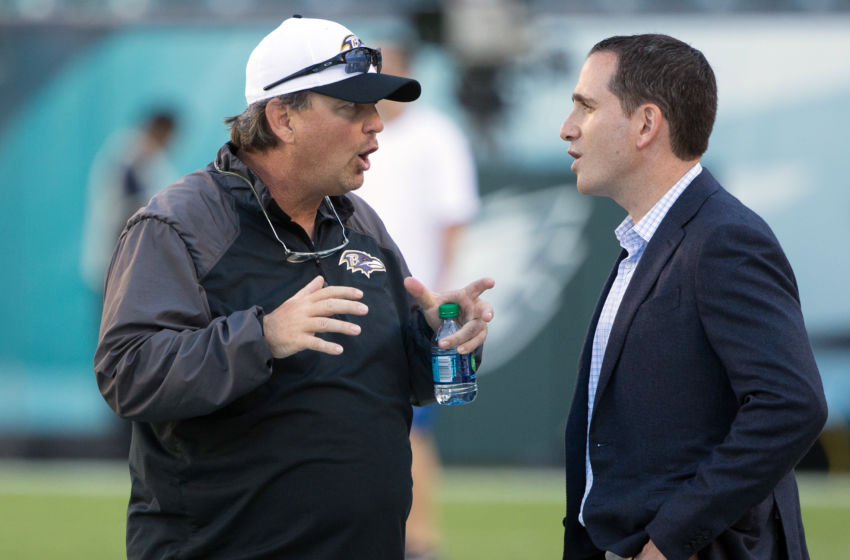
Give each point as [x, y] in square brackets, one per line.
[577, 97]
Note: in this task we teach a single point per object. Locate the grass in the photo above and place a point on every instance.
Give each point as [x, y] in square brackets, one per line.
[502, 514]
[62, 510]
[76, 511]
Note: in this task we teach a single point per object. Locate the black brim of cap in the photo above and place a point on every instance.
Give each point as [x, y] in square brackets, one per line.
[371, 88]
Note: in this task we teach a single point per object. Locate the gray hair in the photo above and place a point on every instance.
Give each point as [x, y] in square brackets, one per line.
[250, 130]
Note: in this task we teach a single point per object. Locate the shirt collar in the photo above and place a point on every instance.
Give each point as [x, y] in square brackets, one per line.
[631, 234]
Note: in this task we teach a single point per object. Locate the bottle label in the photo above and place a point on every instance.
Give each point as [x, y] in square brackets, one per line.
[444, 368]
[453, 368]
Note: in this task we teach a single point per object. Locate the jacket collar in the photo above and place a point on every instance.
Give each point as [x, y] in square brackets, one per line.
[659, 250]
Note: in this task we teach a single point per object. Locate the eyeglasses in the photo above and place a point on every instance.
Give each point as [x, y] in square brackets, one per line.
[359, 59]
[299, 256]
[293, 256]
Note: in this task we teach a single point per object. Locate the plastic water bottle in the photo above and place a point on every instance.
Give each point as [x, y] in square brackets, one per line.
[454, 373]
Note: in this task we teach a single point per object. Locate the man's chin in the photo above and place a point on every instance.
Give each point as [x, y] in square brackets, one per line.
[582, 188]
[352, 185]
[588, 189]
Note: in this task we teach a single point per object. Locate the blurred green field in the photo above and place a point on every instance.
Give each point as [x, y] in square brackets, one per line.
[76, 511]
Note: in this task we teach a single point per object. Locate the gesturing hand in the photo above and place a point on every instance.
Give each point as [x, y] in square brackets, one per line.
[474, 316]
[292, 327]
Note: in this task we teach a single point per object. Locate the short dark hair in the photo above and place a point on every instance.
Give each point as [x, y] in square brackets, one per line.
[659, 69]
[250, 129]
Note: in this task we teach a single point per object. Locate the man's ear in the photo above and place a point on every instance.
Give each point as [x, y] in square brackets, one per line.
[278, 115]
[649, 123]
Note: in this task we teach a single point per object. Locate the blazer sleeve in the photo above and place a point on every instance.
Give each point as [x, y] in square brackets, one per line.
[749, 307]
[161, 356]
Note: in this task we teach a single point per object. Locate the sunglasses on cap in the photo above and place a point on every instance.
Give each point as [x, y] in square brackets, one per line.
[358, 59]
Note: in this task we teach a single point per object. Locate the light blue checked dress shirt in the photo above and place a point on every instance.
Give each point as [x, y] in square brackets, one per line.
[634, 238]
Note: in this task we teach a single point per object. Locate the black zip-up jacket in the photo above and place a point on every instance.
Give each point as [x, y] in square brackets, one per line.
[235, 454]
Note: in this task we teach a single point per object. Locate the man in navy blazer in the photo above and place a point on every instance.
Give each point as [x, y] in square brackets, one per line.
[697, 391]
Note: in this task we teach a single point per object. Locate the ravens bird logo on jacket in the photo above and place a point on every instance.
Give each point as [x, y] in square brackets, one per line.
[361, 262]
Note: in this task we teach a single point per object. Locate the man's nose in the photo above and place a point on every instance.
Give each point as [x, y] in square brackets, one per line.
[569, 131]
[373, 122]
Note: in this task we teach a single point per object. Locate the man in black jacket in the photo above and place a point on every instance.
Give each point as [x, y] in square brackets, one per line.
[261, 428]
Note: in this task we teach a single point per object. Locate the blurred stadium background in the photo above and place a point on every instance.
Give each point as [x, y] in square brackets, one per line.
[73, 72]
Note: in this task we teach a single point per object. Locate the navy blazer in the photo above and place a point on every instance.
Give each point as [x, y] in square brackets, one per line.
[708, 396]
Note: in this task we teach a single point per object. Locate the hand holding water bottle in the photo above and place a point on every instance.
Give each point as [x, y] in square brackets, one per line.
[475, 313]
[459, 319]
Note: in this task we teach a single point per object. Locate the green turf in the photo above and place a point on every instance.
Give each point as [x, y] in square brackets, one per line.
[502, 514]
[76, 511]
[826, 515]
[68, 527]
[62, 510]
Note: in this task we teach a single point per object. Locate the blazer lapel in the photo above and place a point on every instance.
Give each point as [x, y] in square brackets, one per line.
[587, 349]
[659, 250]
[576, 431]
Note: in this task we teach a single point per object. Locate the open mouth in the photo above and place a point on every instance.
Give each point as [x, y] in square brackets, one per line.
[364, 156]
[575, 156]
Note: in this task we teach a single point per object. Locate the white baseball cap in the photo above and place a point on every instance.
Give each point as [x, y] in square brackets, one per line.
[307, 54]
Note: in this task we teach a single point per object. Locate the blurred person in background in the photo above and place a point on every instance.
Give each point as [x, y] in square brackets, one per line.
[697, 392]
[130, 167]
[424, 186]
[261, 427]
